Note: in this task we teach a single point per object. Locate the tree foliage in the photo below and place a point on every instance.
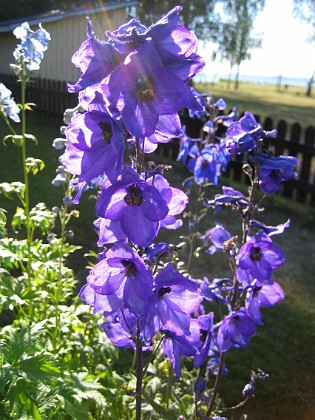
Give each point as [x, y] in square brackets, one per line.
[235, 38]
[305, 10]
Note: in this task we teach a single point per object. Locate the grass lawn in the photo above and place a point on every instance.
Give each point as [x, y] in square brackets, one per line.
[289, 104]
[284, 346]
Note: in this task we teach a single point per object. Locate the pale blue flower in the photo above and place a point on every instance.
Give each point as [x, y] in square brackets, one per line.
[32, 47]
[8, 107]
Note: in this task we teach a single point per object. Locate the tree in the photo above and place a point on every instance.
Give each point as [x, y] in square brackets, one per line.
[305, 10]
[235, 37]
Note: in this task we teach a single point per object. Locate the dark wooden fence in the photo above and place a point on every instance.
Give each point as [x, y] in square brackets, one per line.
[52, 98]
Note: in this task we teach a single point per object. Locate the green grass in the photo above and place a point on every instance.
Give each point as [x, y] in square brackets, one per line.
[285, 345]
[290, 105]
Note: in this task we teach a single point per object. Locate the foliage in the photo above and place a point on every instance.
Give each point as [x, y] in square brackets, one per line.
[305, 10]
[235, 37]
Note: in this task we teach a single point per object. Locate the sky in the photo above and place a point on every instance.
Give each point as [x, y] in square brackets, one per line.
[285, 50]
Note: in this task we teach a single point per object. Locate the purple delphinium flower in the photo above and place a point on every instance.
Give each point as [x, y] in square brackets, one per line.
[168, 127]
[203, 99]
[269, 230]
[175, 198]
[274, 170]
[258, 258]
[186, 144]
[229, 197]
[213, 365]
[201, 334]
[218, 236]
[175, 298]
[235, 330]
[174, 346]
[134, 203]
[142, 88]
[109, 232]
[118, 335]
[266, 295]
[206, 166]
[121, 278]
[245, 134]
[122, 330]
[227, 119]
[94, 59]
[213, 291]
[95, 146]
[8, 107]
[158, 251]
[173, 42]
[32, 47]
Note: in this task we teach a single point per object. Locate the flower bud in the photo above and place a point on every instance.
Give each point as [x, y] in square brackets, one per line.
[248, 390]
[59, 143]
[69, 234]
[199, 388]
[67, 200]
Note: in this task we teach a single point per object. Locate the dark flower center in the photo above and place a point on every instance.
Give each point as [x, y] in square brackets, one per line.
[145, 90]
[203, 335]
[255, 253]
[107, 131]
[256, 291]
[205, 163]
[133, 196]
[130, 268]
[163, 291]
[275, 175]
[235, 320]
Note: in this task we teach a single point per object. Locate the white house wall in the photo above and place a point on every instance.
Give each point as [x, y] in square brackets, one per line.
[66, 36]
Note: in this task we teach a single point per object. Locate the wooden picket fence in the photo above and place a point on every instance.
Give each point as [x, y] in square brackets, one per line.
[52, 98]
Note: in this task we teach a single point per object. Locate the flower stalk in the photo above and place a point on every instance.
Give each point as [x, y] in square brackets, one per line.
[139, 373]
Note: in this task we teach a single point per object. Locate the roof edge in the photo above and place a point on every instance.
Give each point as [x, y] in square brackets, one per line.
[10, 25]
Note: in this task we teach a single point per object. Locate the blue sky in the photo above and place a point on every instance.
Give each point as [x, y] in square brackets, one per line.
[285, 50]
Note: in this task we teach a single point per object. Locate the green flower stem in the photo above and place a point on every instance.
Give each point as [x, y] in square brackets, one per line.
[216, 385]
[29, 235]
[139, 372]
[169, 385]
[57, 291]
[194, 232]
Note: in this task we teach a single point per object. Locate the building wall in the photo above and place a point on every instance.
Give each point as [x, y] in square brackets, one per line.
[67, 34]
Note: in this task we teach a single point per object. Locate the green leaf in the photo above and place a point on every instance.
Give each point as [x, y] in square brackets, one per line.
[165, 414]
[9, 189]
[16, 139]
[29, 106]
[29, 405]
[34, 165]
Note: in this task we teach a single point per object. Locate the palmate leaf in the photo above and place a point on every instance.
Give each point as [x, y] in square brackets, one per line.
[29, 405]
[40, 367]
[17, 345]
[8, 189]
[79, 394]
[40, 216]
[160, 410]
